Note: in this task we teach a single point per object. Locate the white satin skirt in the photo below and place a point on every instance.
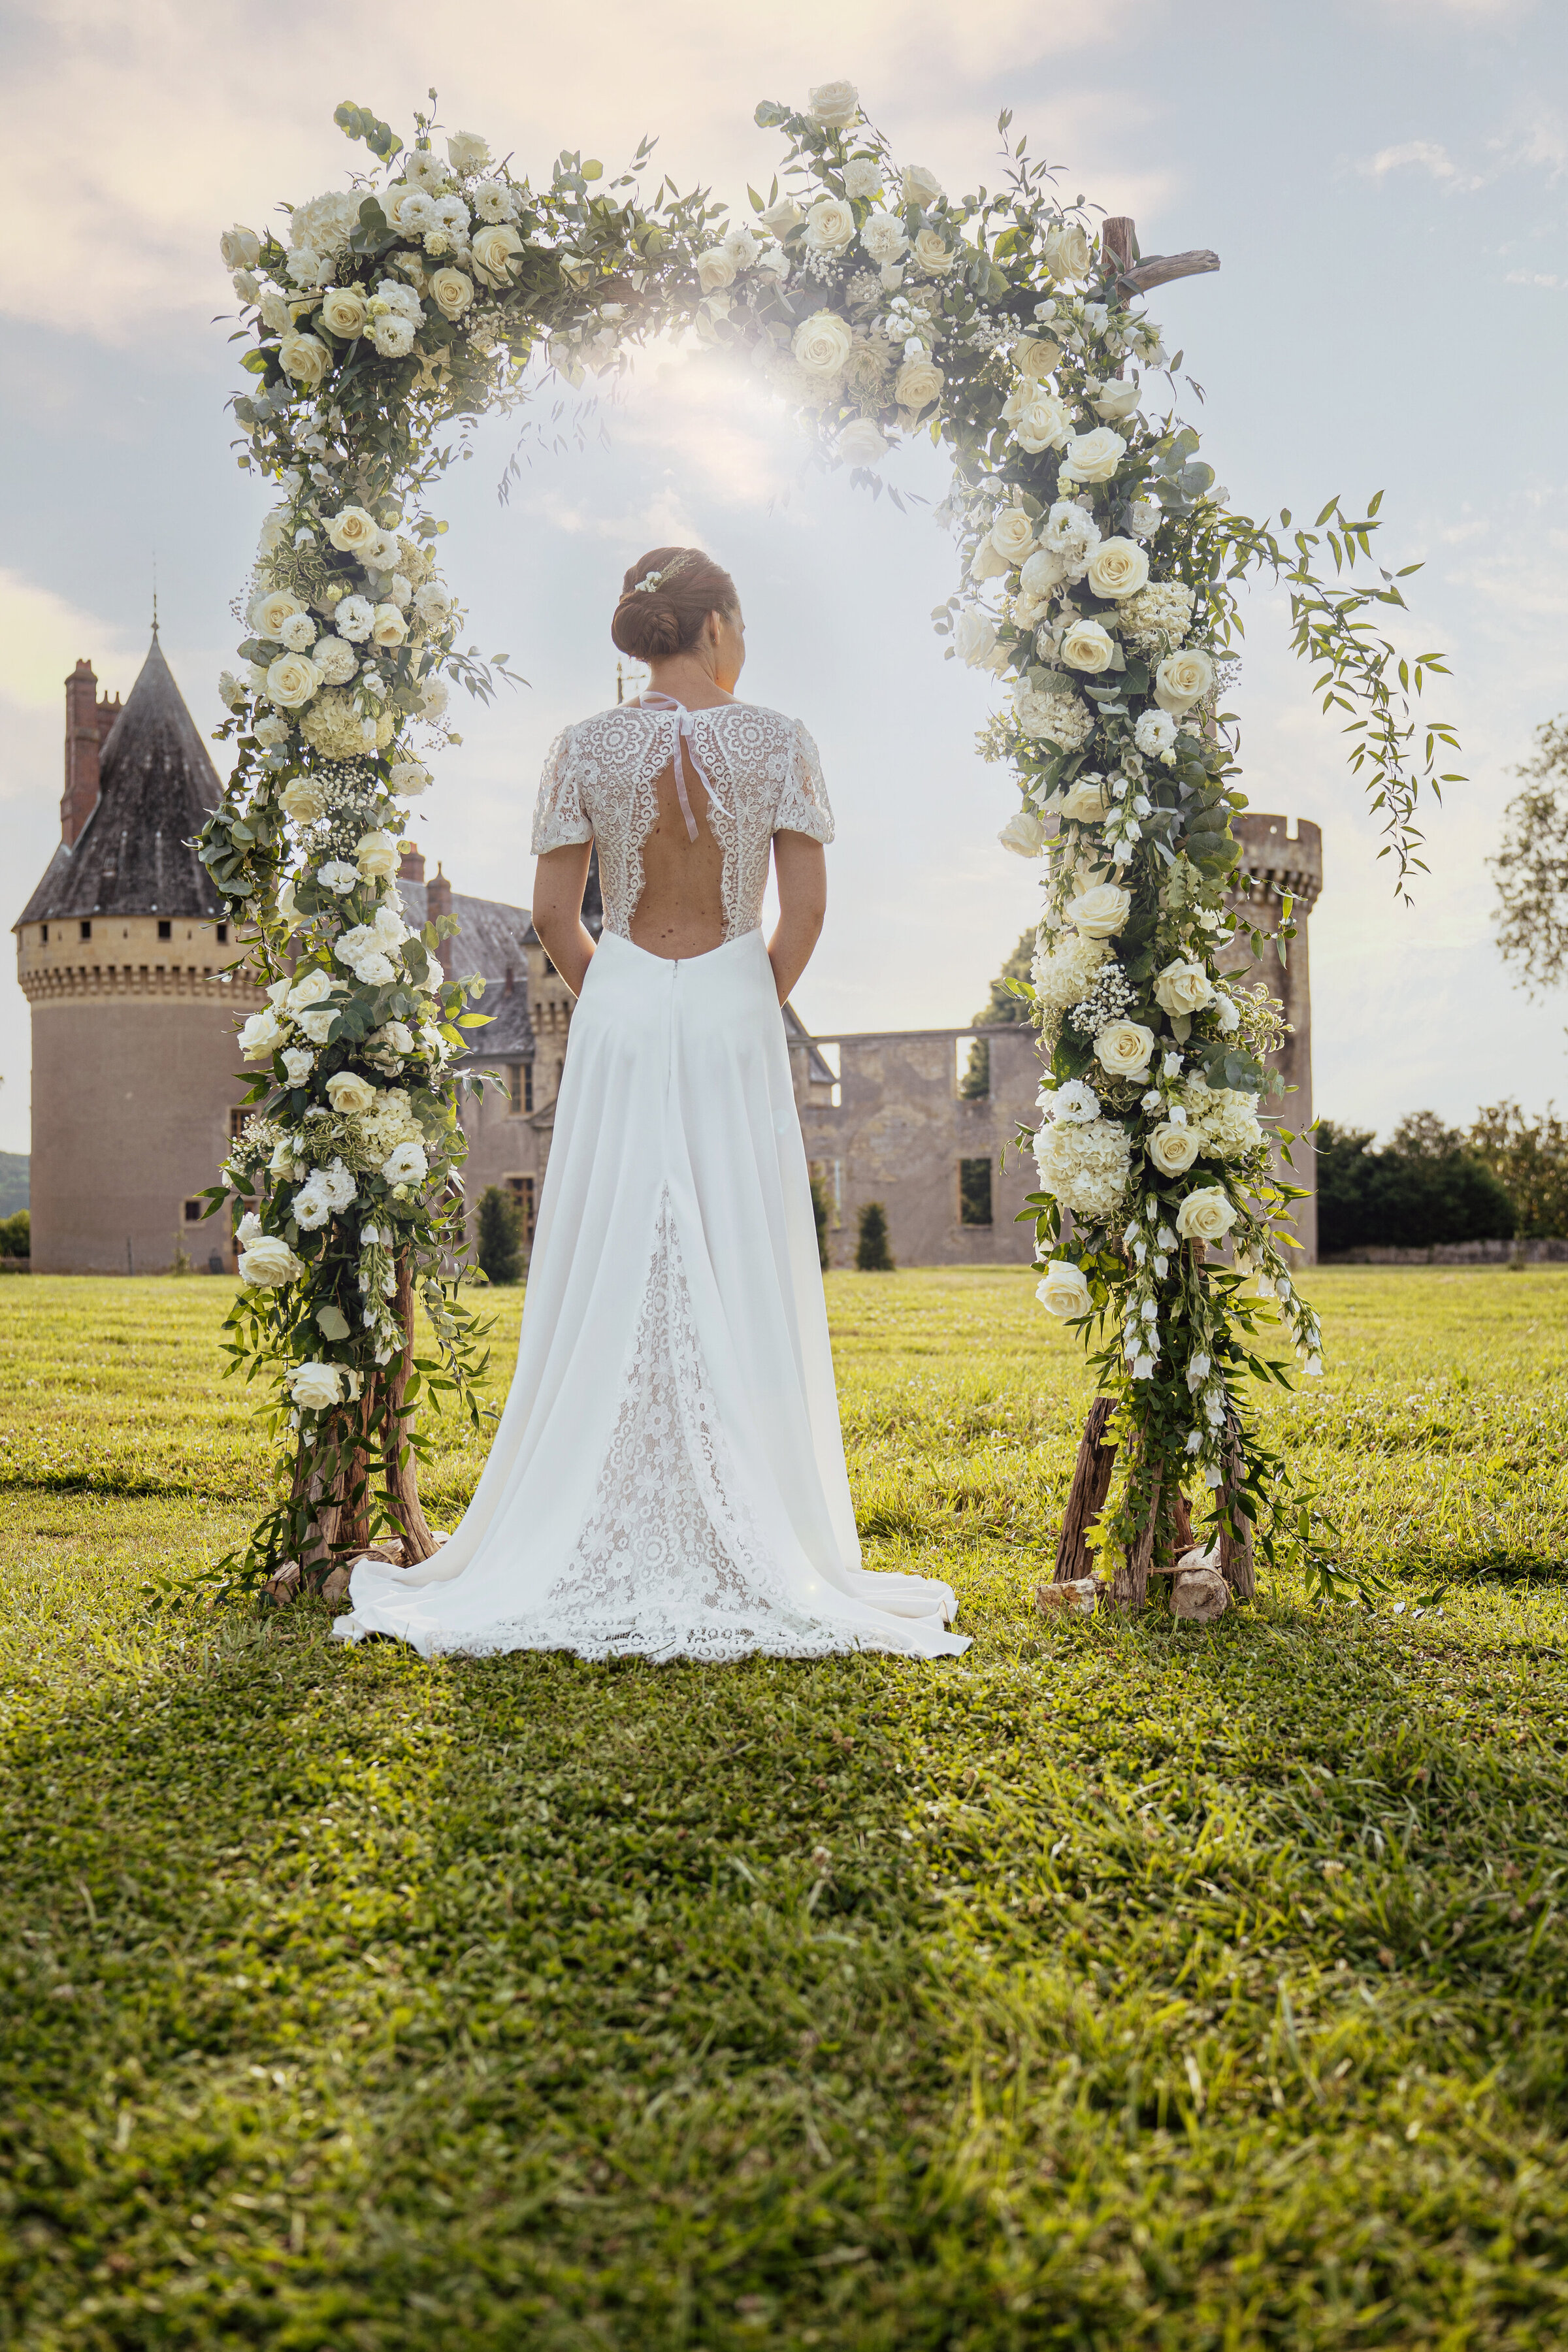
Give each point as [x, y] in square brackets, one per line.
[667, 1479]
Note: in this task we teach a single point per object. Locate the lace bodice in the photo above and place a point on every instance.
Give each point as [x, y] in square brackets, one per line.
[598, 785]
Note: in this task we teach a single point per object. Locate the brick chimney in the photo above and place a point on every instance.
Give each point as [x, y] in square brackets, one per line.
[88, 722]
[413, 867]
[439, 901]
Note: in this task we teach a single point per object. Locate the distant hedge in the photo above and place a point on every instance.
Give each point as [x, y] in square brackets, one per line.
[1425, 1186]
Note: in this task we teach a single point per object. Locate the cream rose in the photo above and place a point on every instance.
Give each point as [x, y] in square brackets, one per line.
[303, 800]
[1093, 457]
[261, 1036]
[834, 104]
[315, 1387]
[918, 383]
[1206, 1216]
[343, 313]
[352, 529]
[919, 186]
[270, 612]
[1024, 835]
[240, 248]
[932, 252]
[467, 151]
[975, 636]
[1116, 400]
[1035, 357]
[1118, 567]
[884, 237]
[1012, 535]
[829, 225]
[387, 627]
[268, 1263]
[715, 268]
[377, 855]
[1087, 802]
[821, 344]
[1123, 1049]
[1099, 912]
[1038, 421]
[1182, 680]
[1173, 1150]
[350, 1096]
[291, 680]
[451, 292]
[1068, 250]
[1184, 987]
[780, 219]
[1087, 646]
[305, 358]
[409, 779]
[494, 246]
[1064, 1290]
[861, 443]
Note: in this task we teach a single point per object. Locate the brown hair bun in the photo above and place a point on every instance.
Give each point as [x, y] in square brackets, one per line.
[652, 623]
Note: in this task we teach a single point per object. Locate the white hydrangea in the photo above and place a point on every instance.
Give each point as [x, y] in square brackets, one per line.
[326, 224]
[1070, 722]
[1226, 1120]
[1062, 975]
[1158, 616]
[1084, 1166]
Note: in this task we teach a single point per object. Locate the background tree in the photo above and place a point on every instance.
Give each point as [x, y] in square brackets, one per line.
[1529, 1160]
[1426, 1187]
[1000, 1007]
[499, 1248]
[1531, 868]
[872, 1254]
[819, 1211]
[15, 1235]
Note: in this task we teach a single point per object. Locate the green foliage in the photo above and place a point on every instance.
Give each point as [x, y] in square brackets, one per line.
[498, 1246]
[1529, 1160]
[1009, 1002]
[14, 1175]
[819, 1214]
[1531, 868]
[1424, 1187]
[17, 1235]
[872, 1254]
[1116, 1983]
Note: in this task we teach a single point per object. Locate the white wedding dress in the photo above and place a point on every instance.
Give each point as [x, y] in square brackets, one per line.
[667, 1478]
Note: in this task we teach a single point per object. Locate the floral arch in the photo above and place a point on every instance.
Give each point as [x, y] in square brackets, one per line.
[1099, 579]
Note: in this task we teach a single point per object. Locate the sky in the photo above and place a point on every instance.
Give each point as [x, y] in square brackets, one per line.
[1383, 180]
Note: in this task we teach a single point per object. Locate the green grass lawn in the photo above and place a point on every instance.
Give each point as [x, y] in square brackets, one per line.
[1116, 1985]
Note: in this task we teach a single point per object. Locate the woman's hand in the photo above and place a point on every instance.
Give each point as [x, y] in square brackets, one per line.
[560, 878]
[800, 870]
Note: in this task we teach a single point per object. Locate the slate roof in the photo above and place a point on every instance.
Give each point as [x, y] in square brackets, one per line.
[491, 937]
[156, 786]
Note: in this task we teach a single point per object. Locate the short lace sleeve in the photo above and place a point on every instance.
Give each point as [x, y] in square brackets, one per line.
[559, 817]
[803, 801]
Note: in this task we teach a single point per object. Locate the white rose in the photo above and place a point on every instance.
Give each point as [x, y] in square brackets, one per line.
[354, 617]
[335, 662]
[406, 1165]
[1123, 1048]
[451, 292]
[1184, 987]
[1024, 835]
[1226, 1013]
[1182, 680]
[343, 313]
[298, 1062]
[1087, 800]
[975, 636]
[1012, 535]
[834, 104]
[240, 248]
[862, 176]
[387, 627]
[1038, 421]
[1116, 400]
[829, 225]
[1143, 518]
[918, 383]
[494, 248]
[261, 1036]
[291, 680]
[1154, 734]
[932, 252]
[1065, 1290]
[884, 237]
[1089, 645]
[919, 186]
[1173, 1150]
[268, 1263]
[780, 219]
[270, 612]
[315, 1387]
[409, 779]
[303, 800]
[822, 345]
[305, 358]
[1043, 571]
[1035, 357]
[352, 529]
[350, 1096]
[318, 1023]
[1093, 457]
[376, 853]
[466, 151]
[1099, 913]
[985, 563]
[1118, 567]
[434, 699]
[393, 336]
[1068, 250]
[1206, 1216]
[861, 443]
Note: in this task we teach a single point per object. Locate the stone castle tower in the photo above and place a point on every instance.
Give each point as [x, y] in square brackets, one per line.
[1277, 861]
[123, 952]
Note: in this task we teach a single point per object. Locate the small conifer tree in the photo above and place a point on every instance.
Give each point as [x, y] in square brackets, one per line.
[872, 1254]
[819, 1211]
[501, 1236]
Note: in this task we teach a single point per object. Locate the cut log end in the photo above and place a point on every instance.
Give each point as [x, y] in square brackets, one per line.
[1078, 1598]
[1199, 1596]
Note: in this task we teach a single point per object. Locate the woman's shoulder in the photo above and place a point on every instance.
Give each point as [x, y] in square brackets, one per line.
[758, 713]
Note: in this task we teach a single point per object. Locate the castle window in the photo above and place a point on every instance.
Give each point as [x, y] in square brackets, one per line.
[193, 1211]
[521, 1191]
[222, 935]
[237, 1119]
[974, 1192]
[520, 1085]
[46, 935]
[165, 930]
[87, 930]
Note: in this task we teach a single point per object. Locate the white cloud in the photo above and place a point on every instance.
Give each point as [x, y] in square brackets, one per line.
[1424, 155]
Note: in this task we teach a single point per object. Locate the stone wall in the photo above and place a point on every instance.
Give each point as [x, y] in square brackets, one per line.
[1277, 859]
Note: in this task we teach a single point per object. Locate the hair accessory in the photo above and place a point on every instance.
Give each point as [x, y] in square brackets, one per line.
[656, 579]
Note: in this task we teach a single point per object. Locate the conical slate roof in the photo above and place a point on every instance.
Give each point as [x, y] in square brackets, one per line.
[156, 787]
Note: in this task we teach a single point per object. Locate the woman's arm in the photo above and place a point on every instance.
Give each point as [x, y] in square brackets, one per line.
[800, 870]
[560, 880]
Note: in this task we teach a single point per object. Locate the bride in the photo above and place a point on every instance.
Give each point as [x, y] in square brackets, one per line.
[667, 1479]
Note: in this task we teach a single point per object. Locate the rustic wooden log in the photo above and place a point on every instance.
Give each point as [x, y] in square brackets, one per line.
[1235, 1551]
[403, 1477]
[1130, 1586]
[1086, 1496]
[1117, 239]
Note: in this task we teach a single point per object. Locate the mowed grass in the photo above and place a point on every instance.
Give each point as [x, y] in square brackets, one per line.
[1118, 1984]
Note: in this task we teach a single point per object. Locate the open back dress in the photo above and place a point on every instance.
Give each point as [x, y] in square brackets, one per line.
[667, 1478]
